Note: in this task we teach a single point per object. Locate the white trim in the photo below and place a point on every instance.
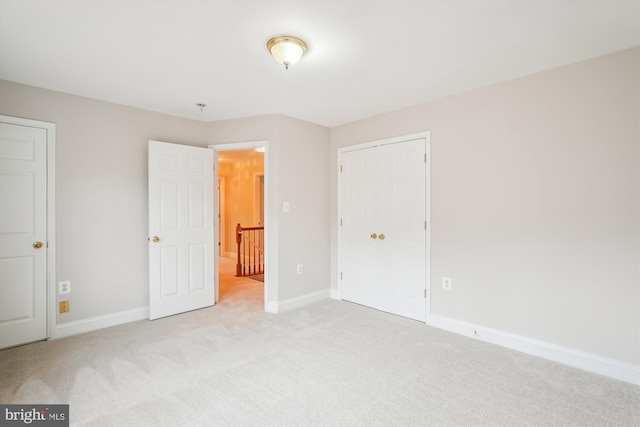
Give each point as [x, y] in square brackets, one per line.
[51, 226]
[268, 306]
[222, 233]
[335, 294]
[99, 322]
[256, 198]
[568, 356]
[387, 141]
[271, 307]
[301, 301]
[52, 293]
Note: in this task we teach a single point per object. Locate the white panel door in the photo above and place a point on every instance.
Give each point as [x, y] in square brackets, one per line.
[400, 218]
[358, 247]
[181, 246]
[383, 236]
[23, 234]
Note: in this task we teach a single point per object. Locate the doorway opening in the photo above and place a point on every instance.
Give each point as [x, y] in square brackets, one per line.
[240, 202]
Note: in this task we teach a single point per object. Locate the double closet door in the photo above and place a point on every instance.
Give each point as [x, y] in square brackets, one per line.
[383, 238]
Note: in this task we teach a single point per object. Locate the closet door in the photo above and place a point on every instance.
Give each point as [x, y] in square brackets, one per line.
[383, 231]
[358, 243]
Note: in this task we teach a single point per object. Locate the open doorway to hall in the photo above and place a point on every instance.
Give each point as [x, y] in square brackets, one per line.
[241, 204]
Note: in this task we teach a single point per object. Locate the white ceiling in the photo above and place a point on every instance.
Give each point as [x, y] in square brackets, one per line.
[364, 57]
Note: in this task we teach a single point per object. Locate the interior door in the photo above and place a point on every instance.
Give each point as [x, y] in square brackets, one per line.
[358, 244]
[383, 236]
[23, 234]
[181, 221]
[400, 220]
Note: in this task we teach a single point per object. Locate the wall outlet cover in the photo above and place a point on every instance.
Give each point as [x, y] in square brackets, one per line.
[64, 287]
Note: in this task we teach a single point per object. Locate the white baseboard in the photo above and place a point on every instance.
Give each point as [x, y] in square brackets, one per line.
[271, 307]
[335, 294]
[99, 322]
[578, 359]
[301, 301]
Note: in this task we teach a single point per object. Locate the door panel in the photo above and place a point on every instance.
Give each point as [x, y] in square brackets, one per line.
[383, 236]
[357, 250]
[23, 221]
[181, 216]
[403, 226]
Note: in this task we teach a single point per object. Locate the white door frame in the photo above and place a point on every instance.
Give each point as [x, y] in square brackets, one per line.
[243, 146]
[258, 192]
[50, 128]
[427, 136]
[222, 247]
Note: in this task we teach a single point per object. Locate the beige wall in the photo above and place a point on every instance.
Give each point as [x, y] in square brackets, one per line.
[101, 192]
[535, 203]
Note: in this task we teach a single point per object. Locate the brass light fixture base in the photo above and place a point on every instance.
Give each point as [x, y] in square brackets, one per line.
[287, 50]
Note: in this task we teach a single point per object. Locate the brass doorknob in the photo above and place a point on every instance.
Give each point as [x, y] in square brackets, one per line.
[381, 237]
[374, 236]
[37, 245]
[155, 239]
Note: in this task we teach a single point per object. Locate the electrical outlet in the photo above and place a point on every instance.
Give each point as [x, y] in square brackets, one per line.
[64, 306]
[64, 287]
[446, 283]
[299, 268]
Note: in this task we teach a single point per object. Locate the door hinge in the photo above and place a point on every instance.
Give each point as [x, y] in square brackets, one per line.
[425, 157]
[341, 275]
[340, 168]
[340, 222]
[425, 293]
[425, 225]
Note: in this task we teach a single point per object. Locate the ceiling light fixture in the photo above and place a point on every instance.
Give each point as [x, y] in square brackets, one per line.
[201, 106]
[287, 50]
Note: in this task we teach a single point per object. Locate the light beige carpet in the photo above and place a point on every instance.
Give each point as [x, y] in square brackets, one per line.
[329, 364]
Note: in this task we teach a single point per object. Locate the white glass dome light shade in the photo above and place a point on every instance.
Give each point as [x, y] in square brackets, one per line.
[287, 50]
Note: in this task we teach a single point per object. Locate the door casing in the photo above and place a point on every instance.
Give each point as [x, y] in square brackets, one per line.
[269, 307]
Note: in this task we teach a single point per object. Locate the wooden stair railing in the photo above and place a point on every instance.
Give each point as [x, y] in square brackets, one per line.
[250, 241]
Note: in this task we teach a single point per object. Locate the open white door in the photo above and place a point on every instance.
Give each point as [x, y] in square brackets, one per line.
[181, 246]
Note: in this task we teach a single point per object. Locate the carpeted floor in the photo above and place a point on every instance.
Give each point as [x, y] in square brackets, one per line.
[329, 364]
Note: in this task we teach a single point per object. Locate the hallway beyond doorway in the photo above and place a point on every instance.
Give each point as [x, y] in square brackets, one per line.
[238, 290]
